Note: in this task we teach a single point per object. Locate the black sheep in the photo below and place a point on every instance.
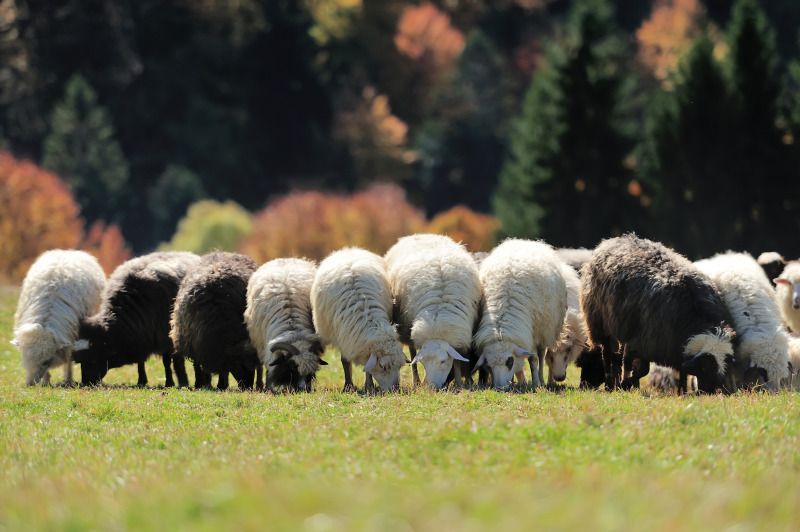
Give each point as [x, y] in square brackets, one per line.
[659, 306]
[208, 320]
[133, 321]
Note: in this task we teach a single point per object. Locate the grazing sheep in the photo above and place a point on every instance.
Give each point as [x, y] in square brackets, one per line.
[525, 303]
[133, 320]
[772, 263]
[593, 373]
[787, 293]
[761, 350]
[794, 363]
[437, 293]
[208, 320]
[352, 304]
[61, 288]
[661, 308]
[278, 318]
[575, 257]
[572, 341]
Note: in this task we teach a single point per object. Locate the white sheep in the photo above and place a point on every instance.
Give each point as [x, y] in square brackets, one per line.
[574, 335]
[60, 289]
[525, 303]
[794, 360]
[787, 293]
[278, 318]
[748, 295]
[352, 304]
[437, 293]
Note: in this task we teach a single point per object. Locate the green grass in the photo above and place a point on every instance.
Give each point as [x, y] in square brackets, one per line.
[124, 458]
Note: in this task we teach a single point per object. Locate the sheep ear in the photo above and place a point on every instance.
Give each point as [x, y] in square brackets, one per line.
[519, 352]
[701, 363]
[455, 354]
[481, 362]
[371, 363]
[781, 280]
[80, 345]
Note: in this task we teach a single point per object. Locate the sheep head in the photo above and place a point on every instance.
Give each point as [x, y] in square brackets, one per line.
[294, 364]
[503, 360]
[437, 357]
[384, 365]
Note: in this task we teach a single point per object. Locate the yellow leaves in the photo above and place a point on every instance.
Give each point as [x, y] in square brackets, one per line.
[211, 225]
[667, 34]
[333, 19]
[475, 230]
[425, 33]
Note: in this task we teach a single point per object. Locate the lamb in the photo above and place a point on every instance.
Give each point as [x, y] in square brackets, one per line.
[60, 289]
[661, 308]
[761, 351]
[787, 293]
[352, 304]
[207, 322]
[575, 257]
[278, 318]
[525, 303]
[772, 263]
[133, 320]
[437, 293]
[572, 341]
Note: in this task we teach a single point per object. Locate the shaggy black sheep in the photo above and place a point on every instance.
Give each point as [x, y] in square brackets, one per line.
[208, 320]
[593, 372]
[133, 321]
[661, 308]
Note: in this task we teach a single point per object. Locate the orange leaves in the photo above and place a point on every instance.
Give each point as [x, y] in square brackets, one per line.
[37, 213]
[667, 34]
[462, 224]
[312, 224]
[424, 33]
[107, 244]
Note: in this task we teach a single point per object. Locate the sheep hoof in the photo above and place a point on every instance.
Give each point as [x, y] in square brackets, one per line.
[349, 388]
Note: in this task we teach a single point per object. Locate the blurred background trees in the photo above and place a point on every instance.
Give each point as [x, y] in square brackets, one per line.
[569, 120]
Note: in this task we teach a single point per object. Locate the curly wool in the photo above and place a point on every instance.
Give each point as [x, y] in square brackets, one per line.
[352, 305]
[436, 287]
[574, 335]
[784, 295]
[525, 298]
[61, 288]
[749, 297]
[279, 310]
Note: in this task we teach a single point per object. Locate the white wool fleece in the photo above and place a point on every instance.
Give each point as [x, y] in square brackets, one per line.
[352, 307]
[279, 310]
[61, 288]
[748, 295]
[785, 293]
[436, 284]
[525, 297]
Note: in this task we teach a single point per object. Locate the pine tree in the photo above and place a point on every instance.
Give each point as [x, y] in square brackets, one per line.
[685, 157]
[82, 149]
[462, 147]
[564, 179]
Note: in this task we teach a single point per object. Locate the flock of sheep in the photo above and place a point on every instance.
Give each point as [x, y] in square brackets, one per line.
[612, 311]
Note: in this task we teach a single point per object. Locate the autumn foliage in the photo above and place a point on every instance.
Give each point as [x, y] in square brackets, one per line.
[475, 230]
[424, 33]
[37, 213]
[312, 224]
[107, 244]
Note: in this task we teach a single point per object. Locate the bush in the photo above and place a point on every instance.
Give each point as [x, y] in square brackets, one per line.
[313, 224]
[475, 230]
[211, 225]
[107, 244]
[37, 213]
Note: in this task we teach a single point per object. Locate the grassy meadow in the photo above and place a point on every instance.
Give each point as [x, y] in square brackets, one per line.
[119, 457]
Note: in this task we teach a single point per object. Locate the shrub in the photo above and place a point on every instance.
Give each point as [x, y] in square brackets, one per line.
[475, 230]
[211, 225]
[107, 244]
[37, 213]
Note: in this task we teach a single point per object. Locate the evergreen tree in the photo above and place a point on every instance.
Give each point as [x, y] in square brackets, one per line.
[564, 179]
[461, 148]
[82, 149]
[174, 191]
[685, 157]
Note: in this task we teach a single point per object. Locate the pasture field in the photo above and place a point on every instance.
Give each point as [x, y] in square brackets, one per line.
[119, 457]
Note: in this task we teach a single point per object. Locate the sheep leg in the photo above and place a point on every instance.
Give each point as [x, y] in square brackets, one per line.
[260, 377]
[534, 373]
[468, 382]
[520, 377]
[179, 364]
[167, 359]
[347, 366]
[414, 371]
[682, 376]
[638, 370]
[142, 375]
[542, 353]
[457, 379]
[222, 381]
[483, 377]
[612, 362]
[201, 378]
[369, 384]
[68, 369]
